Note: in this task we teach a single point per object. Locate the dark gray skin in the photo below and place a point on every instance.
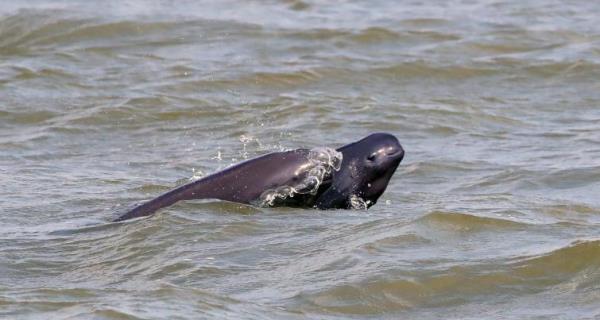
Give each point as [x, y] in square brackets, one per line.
[366, 169]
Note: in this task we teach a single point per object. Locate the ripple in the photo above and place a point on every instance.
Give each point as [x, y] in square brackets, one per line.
[467, 223]
[27, 117]
[371, 35]
[423, 69]
[18, 31]
[83, 303]
[570, 178]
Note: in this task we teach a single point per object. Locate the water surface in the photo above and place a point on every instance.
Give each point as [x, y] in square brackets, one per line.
[493, 213]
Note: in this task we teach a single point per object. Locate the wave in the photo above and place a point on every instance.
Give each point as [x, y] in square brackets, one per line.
[574, 266]
[467, 222]
[111, 303]
[28, 31]
[368, 35]
[33, 117]
[569, 178]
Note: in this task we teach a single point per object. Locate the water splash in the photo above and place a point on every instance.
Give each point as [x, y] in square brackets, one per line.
[197, 174]
[321, 163]
[359, 203]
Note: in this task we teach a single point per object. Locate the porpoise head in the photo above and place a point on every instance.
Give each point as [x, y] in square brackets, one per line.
[367, 167]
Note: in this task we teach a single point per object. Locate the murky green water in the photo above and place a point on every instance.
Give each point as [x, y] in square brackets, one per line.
[493, 214]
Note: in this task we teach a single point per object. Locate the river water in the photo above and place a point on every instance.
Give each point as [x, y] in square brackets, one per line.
[493, 214]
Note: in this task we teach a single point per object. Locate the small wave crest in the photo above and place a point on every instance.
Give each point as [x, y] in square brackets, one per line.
[321, 163]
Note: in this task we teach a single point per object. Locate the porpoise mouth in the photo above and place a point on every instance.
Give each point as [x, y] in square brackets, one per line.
[395, 151]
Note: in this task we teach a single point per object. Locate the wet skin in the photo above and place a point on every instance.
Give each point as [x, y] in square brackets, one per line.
[366, 169]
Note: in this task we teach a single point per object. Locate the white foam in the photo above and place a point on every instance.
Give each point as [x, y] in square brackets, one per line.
[321, 163]
[359, 203]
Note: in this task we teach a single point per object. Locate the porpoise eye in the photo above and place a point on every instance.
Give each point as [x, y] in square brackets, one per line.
[372, 156]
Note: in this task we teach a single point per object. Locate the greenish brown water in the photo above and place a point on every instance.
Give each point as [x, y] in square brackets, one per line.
[493, 214]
